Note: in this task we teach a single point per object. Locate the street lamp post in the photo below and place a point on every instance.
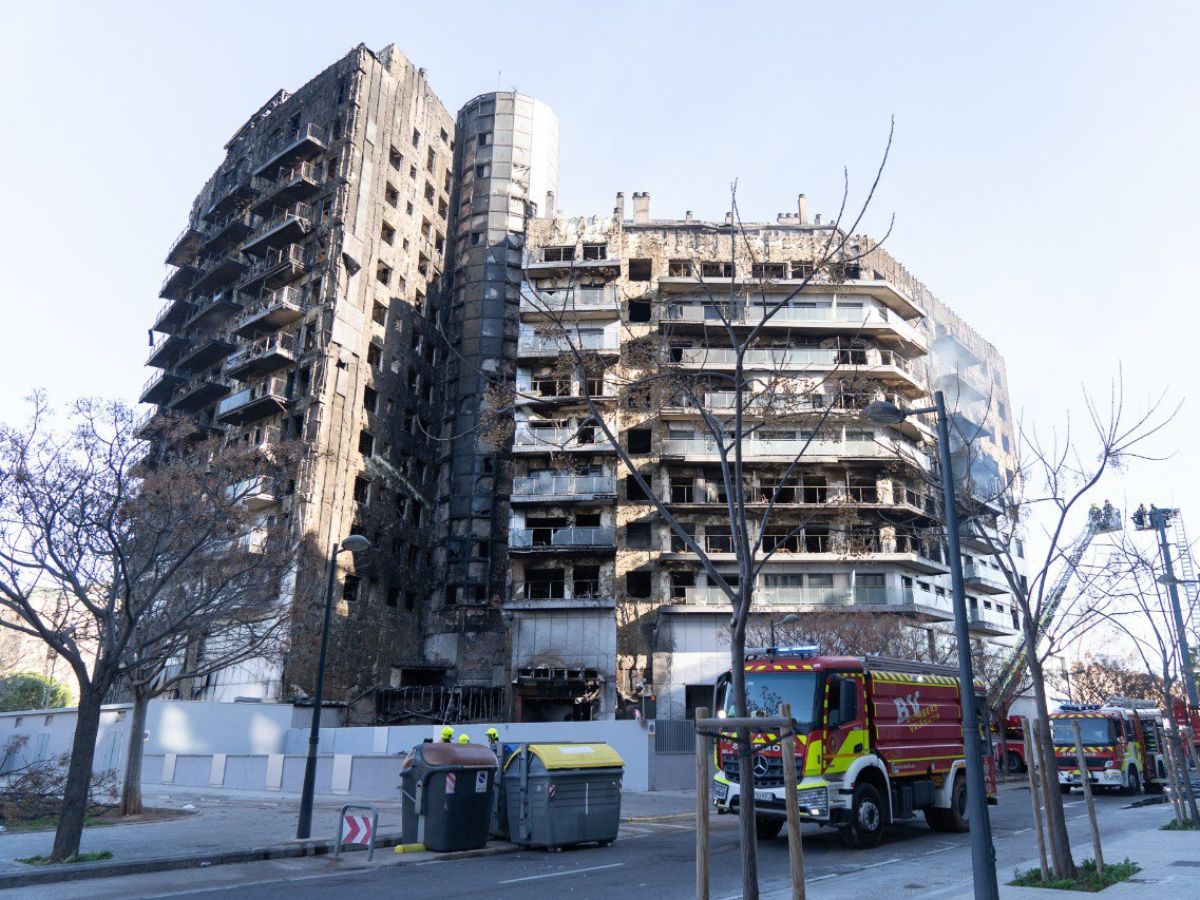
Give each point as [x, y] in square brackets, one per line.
[786, 620]
[983, 852]
[1158, 520]
[355, 543]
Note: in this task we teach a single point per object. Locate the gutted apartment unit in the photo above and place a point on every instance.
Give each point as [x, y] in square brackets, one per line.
[605, 599]
[300, 303]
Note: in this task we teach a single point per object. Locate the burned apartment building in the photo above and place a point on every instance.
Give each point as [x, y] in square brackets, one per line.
[301, 302]
[366, 276]
[608, 605]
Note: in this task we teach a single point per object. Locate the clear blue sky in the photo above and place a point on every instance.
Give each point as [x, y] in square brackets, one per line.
[1044, 176]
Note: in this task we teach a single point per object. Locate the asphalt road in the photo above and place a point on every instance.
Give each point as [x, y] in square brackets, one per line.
[648, 860]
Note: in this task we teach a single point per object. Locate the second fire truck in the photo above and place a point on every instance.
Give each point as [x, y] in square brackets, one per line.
[1122, 745]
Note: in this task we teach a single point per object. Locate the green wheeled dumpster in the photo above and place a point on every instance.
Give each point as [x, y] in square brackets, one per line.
[558, 795]
[447, 796]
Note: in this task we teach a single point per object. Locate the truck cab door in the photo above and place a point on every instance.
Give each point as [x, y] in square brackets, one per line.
[846, 735]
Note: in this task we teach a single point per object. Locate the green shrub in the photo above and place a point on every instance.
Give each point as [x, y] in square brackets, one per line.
[31, 690]
[1087, 878]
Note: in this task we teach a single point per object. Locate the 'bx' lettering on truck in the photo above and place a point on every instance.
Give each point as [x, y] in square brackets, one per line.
[877, 741]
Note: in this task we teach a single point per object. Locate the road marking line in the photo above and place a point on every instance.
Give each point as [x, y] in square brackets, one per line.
[560, 874]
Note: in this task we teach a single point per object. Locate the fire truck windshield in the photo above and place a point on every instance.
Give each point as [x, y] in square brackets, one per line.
[1092, 731]
[766, 690]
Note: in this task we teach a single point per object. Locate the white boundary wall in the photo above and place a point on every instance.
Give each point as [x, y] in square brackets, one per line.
[253, 747]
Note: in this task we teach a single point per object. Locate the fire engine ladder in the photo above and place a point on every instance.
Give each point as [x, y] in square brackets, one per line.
[1100, 521]
[1187, 572]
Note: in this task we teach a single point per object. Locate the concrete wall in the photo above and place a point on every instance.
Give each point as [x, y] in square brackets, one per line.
[250, 746]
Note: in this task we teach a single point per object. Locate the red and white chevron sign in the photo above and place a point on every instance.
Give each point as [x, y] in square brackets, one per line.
[357, 830]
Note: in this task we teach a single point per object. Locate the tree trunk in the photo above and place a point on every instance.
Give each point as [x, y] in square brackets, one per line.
[131, 790]
[1061, 860]
[749, 833]
[79, 776]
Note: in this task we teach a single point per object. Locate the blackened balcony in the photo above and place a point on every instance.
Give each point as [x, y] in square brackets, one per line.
[159, 387]
[285, 226]
[199, 391]
[563, 488]
[275, 309]
[304, 143]
[280, 266]
[255, 402]
[172, 315]
[590, 537]
[183, 250]
[176, 283]
[214, 310]
[220, 271]
[234, 189]
[262, 356]
[205, 353]
[228, 233]
[300, 182]
[166, 349]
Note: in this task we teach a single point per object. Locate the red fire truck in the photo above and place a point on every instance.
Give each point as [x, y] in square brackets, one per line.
[1122, 745]
[879, 740]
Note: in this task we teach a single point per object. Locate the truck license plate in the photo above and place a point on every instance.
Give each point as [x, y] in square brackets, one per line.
[764, 795]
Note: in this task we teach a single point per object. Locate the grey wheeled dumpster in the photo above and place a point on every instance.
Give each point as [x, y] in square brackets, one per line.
[447, 796]
[563, 794]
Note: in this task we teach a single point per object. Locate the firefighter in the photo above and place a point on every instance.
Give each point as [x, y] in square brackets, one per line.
[493, 738]
[447, 734]
[464, 738]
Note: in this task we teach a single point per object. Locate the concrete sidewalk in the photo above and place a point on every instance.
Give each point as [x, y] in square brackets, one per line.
[228, 822]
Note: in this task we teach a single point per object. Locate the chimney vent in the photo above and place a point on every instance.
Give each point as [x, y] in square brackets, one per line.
[802, 208]
[641, 208]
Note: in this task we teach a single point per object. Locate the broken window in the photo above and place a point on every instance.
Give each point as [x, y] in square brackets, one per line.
[640, 311]
[383, 274]
[362, 490]
[680, 268]
[391, 195]
[545, 584]
[558, 254]
[484, 139]
[416, 137]
[716, 270]
[634, 492]
[350, 588]
[370, 399]
[366, 443]
[639, 585]
[387, 233]
[430, 159]
[595, 251]
[637, 440]
[718, 539]
[769, 270]
[395, 159]
[677, 543]
[378, 313]
[680, 582]
[586, 582]
[638, 536]
[374, 355]
[483, 170]
[802, 269]
[639, 269]
[429, 192]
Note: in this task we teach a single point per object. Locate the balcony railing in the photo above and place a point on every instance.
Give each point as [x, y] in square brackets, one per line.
[564, 438]
[184, 247]
[564, 486]
[274, 310]
[159, 387]
[984, 578]
[755, 447]
[234, 188]
[278, 267]
[177, 282]
[305, 142]
[795, 358]
[172, 315]
[582, 299]
[856, 595]
[264, 355]
[577, 537]
[297, 183]
[220, 270]
[285, 226]
[752, 313]
[255, 402]
[534, 344]
[166, 349]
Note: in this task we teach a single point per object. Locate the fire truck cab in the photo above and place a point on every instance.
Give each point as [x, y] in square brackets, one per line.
[878, 740]
[1122, 745]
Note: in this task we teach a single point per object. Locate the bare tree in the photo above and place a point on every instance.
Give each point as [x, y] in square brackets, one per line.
[140, 549]
[1143, 618]
[1054, 478]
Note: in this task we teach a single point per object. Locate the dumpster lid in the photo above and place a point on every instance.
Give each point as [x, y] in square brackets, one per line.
[576, 756]
[471, 756]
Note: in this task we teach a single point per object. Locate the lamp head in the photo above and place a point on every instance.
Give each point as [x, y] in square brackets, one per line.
[356, 543]
[883, 413]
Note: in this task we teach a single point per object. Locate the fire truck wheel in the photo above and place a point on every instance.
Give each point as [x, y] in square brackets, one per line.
[1013, 763]
[865, 826]
[766, 827]
[953, 819]
[1133, 782]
